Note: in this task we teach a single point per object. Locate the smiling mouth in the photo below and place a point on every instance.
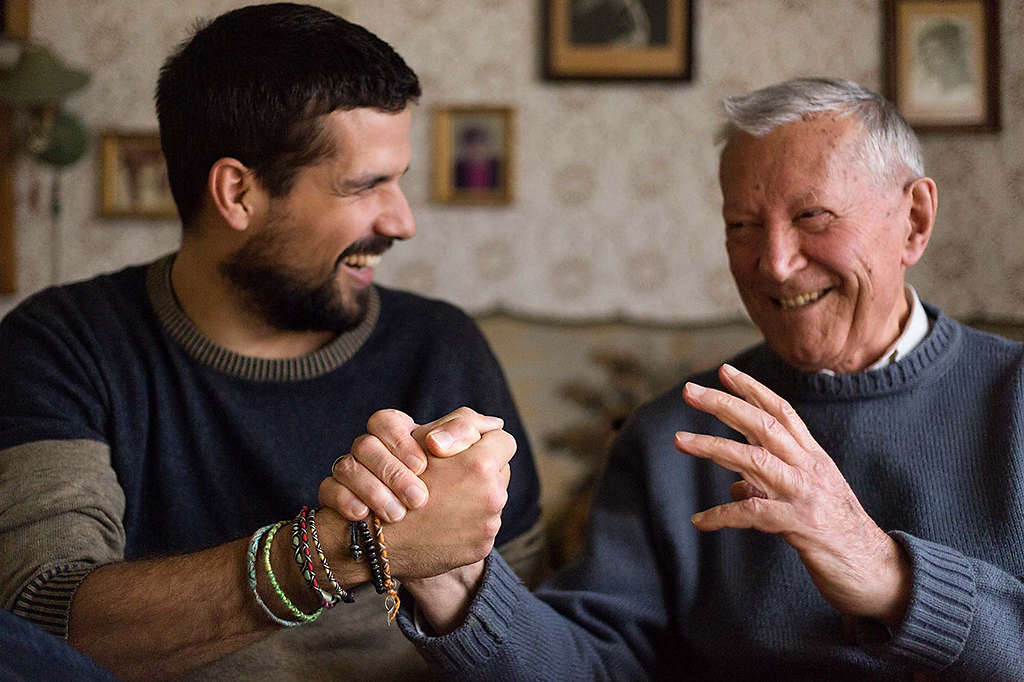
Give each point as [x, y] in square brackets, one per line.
[358, 261]
[365, 253]
[801, 300]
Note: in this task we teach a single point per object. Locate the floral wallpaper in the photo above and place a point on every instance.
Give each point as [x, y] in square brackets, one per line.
[616, 214]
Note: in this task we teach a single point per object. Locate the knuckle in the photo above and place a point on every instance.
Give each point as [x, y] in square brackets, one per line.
[394, 474]
[364, 446]
[346, 469]
[756, 505]
[478, 467]
[464, 412]
[769, 423]
[495, 500]
[380, 418]
[761, 457]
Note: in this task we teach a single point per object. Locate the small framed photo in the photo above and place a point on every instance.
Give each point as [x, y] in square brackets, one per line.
[618, 39]
[133, 177]
[942, 63]
[474, 155]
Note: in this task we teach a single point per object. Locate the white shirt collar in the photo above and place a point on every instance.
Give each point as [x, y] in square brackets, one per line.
[913, 333]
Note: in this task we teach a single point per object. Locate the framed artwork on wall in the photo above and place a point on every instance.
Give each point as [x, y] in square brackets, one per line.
[133, 177]
[474, 155]
[14, 29]
[617, 39]
[942, 63]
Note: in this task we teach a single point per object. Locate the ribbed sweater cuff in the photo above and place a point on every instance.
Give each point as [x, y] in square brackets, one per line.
[46, 600]
[486, 625]
[941, 609]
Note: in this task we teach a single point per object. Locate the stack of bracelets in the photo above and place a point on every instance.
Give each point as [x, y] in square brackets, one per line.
[303, 527]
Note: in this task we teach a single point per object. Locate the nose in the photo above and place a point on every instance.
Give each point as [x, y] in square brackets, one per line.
[781, 253]
[396, 219]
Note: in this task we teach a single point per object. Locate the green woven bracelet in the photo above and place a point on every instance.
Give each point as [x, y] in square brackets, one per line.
[292, 609]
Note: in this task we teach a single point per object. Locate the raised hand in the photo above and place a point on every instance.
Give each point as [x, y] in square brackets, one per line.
[791, 487]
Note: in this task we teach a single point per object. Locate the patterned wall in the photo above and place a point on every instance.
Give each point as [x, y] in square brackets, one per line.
[617, 205]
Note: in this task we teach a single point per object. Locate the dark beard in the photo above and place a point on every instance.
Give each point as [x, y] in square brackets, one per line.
[285, 298]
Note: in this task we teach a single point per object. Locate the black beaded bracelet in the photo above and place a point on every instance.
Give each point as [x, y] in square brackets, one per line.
[372, 553]
[355, 550]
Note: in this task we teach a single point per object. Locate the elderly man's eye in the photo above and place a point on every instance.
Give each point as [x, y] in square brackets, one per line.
[731, 225]
[814, 217]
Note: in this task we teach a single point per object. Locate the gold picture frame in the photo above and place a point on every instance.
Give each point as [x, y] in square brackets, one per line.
[617, 39]
[133, 177]
[474, 155]
[942, 63]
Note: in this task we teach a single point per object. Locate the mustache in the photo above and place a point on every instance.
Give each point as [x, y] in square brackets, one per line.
[373, 245]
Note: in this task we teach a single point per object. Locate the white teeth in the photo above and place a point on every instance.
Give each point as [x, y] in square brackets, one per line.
[802, 299]
[362, 260]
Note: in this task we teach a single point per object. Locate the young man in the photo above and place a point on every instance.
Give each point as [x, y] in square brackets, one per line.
[153, 419]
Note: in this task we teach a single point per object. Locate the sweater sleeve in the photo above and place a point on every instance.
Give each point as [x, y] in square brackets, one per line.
[965, 619]
[62, 507]
[598, 620]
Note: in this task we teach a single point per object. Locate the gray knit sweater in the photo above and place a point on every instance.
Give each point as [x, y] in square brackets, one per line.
[933, 446]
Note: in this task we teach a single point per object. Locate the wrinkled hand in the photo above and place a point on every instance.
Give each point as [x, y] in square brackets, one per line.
[459, 515]
[791, 487]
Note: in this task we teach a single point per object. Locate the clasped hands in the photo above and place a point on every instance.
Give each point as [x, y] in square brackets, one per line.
[450, 508]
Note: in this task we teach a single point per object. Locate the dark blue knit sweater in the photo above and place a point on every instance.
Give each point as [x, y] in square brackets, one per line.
[932, 445]
[208, 445]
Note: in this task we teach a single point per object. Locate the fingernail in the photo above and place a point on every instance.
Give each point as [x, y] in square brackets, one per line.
[694, 389]
[684, 435]
[415, 495]
[695, 519]
[394, 511]
[359, 511]
[729, 370]
[442, 439]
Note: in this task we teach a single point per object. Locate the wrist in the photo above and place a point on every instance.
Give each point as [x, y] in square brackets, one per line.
[289, 574]
[896, 599]
[445, 599]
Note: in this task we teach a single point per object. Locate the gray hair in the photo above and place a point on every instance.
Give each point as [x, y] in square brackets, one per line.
[890, 146]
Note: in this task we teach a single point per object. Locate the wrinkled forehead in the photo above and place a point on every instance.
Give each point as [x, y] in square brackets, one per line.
[821, 146]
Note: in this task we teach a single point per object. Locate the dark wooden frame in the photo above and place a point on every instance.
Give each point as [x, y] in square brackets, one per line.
[562, 61]
[444, 188]
[110, 148]
[898, 64]
[15, 22]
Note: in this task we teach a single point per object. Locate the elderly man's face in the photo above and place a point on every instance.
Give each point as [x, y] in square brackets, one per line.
[816, 243]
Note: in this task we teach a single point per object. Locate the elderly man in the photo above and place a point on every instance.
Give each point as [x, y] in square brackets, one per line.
[875, 528]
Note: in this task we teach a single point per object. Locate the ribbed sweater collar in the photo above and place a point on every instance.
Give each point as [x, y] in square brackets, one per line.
[180, 328]
[930, 358]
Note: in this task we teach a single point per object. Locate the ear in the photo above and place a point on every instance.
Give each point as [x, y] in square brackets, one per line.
[924, 203]
[234, 192]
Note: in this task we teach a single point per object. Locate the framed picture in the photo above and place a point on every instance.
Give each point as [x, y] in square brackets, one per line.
[14, 30]
[473, 155]
[14, 18]
[617, 39]
[942, 63]
[133, 177]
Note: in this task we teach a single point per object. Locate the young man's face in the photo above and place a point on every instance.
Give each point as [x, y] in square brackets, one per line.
[310, 261]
